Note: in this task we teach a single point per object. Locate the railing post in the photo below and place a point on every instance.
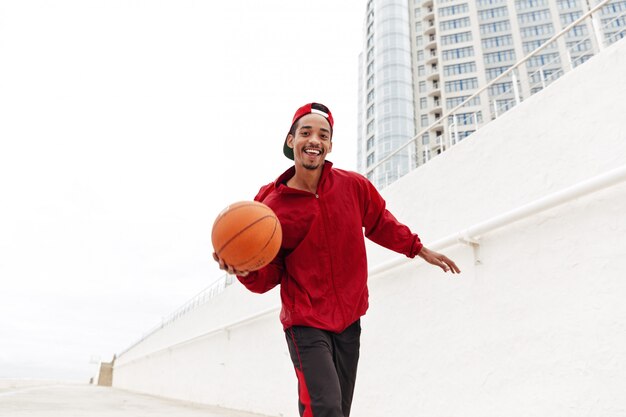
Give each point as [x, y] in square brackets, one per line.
[515, 88]
[597, 33]
[454, 133]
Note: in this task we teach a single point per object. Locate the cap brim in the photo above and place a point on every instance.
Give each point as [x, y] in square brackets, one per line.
[287, 150]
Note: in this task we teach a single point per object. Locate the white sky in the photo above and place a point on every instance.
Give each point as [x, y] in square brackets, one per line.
[125, 127]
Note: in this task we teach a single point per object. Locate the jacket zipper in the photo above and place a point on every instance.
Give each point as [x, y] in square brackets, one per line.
[330, 265]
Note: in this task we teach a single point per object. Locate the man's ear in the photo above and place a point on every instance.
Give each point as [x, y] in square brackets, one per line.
[290, 140]
[330, 147]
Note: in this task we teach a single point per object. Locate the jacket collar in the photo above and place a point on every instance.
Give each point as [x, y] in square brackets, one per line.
[281, 182]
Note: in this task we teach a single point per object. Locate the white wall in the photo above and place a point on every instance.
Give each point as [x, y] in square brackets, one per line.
[537, 329]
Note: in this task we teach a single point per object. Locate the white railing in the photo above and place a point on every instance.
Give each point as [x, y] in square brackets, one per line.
[210, 292]
[468, 236]
[508, 81]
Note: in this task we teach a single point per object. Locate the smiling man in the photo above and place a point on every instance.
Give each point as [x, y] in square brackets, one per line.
[325, 212]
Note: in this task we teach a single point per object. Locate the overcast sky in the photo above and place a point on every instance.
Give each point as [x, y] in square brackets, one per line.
[125, 127]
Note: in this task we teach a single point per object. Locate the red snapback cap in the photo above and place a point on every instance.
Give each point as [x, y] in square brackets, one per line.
[309, 108]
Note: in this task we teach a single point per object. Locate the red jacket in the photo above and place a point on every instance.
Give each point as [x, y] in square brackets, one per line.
[322, 264]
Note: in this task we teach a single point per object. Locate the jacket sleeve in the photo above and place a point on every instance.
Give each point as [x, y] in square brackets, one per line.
[266, 278]
[383, 228]
[271, 275]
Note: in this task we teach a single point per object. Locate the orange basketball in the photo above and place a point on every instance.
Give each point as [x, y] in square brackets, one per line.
[247, 235]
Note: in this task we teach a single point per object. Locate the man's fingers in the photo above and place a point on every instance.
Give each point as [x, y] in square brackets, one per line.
[228, 268]
[451, 265]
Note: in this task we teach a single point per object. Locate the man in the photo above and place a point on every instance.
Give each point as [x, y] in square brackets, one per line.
[321, 266]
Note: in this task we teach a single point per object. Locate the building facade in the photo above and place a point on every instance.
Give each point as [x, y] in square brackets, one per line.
[423, 58]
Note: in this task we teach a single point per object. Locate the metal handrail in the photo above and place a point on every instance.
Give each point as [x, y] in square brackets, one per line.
[216, 288]
[494, 81]
[470, 234]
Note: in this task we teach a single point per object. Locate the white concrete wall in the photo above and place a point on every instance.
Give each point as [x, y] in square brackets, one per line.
[537, 329]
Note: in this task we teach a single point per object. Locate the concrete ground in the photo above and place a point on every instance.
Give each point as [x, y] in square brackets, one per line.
[53, 399]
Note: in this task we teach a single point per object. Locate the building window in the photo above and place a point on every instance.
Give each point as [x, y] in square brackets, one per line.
[548, 74]
[457, 53]
[460, 85]
[500, 88]
[495, 27]
[497, 41]
[370, 159]
[494, 72]
[567, 4]
[421, 70]
[425, 139]
[581, 59]
[370, 96]
[370, 68]
[423, 103]
[370, 111]
[454, 24]
[424, 120]
[493, 13]
[370, 127]
[370, 54]
[370, 143]
[614, 7]
[579, 46]
[532, 45]
[466, 118]
[370, 82]
[529, 4]
[567, 18]
[534, 16]
[544, 59]
[456, 69]
[422, 86]
[499, 56]
[539, 30]
[420, 55]
[484, 3]
[456, 38]
[577, 31]
[455, 101]
[452, 10]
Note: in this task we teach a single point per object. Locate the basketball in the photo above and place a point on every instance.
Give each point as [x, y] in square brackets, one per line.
[246, 235]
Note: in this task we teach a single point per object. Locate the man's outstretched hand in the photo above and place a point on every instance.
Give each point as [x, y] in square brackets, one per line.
[228, 268]
[438, 259]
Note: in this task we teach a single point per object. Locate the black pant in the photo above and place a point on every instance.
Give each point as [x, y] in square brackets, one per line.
[325, 364]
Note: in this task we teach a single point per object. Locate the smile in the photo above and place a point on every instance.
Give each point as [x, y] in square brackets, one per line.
[312, 151]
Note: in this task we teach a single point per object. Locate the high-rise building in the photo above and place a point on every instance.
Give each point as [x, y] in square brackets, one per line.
[422, 58]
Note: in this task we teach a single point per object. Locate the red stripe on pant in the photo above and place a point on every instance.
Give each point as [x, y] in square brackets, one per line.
[305, 399]
[303, 391]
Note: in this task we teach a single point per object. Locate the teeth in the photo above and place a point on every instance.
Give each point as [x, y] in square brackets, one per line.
[313, 151]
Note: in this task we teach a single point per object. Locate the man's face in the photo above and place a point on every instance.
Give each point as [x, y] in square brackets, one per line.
[311, 141]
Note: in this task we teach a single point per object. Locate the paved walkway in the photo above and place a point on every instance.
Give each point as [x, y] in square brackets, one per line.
[40, 399]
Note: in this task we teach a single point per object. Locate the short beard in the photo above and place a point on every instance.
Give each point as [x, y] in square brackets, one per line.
[310, 167]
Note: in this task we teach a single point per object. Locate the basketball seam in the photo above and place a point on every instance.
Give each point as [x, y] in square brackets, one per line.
[241, 231]
[264, 246]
